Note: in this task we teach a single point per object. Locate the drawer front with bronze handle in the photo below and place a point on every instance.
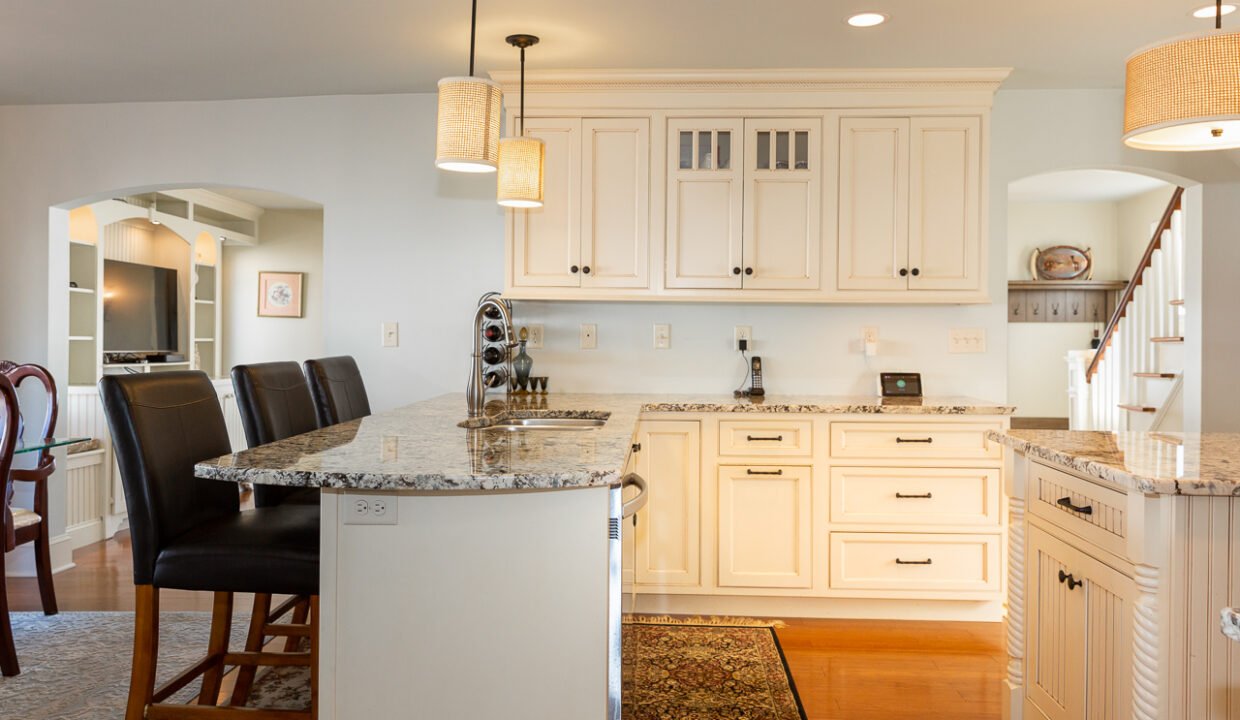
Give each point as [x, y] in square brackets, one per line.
[766, 438]
[910, 497]
[1082, 509]
[887, 440]
[927, 561]
[751, 471]
[915, 562]
[1093, 511]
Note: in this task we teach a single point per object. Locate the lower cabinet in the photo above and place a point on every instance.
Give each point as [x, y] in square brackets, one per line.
[1079, 644]
[765, 526]
[668, 533]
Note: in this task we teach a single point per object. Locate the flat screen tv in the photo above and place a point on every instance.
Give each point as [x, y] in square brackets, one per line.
[139, 308]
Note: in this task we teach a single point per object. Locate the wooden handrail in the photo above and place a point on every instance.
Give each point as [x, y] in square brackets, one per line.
[1121, 307]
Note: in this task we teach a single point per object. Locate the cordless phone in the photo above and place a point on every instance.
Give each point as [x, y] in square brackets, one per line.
[755, 379]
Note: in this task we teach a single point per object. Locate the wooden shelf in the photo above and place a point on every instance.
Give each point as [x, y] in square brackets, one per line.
[1067, 284]
[1177, 303]
[1173, 339]
[82, 291]
[1138, 408]
[1155, 375]
[139, 365]
[81, 338]
[203, 302]
[204, 340]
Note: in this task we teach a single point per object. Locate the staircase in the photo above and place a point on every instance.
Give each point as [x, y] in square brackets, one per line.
[1134, 381]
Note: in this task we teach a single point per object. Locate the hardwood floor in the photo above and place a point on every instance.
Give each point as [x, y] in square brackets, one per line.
[844, 669]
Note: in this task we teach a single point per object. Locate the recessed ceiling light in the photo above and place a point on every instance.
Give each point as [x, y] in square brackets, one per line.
[867, 19]
[1209, 11]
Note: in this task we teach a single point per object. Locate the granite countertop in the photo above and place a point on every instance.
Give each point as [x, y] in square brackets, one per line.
[421, 446]
[1158, 463]
[1230, 618]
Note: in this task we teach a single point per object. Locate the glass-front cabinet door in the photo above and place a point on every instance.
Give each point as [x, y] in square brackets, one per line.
[783, 203]
[705, 190]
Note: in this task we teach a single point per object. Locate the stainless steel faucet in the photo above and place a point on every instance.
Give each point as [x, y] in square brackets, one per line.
[475, 391]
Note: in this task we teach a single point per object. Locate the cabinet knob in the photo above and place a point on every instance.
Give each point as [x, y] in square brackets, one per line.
[903, 272]
[749, 271]
[916, 272]
[736, 271]
[574, 269]
[586, 269]
[1073, 583]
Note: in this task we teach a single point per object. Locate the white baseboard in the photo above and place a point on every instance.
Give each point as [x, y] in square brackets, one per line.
[86, 533]
[839, 608]
[20, 562]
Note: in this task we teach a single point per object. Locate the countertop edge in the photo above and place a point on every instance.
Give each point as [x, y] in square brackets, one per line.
[1100, 471]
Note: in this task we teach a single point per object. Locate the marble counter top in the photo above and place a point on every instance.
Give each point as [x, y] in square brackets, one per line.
[421, 446]
[1160, 463]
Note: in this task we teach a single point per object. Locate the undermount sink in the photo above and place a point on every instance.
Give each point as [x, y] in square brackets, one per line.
[547, 423]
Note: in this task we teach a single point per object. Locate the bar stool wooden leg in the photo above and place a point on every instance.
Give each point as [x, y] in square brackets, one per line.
[314, 657]
[253, 643]
[43, 554]
[145, 651]
[299, 618]
[217, 648]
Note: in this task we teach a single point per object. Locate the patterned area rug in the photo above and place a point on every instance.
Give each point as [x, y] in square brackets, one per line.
[75, 666]
[706, 669]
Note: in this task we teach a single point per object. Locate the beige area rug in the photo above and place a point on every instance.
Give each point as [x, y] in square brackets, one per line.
[75, 665]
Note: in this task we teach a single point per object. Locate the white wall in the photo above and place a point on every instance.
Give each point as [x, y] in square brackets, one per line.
[289, 240]
[1039, 225]
[1135, 218]
[1038, 370]
[403, 242]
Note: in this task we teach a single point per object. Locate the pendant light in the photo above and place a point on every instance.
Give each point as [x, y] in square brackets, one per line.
[467, 132]
[1184, 94]
[520, 157]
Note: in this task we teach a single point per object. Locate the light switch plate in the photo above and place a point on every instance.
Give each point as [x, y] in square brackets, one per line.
[536, 337]
[589, 336]
[966, 340]
[662, 336]
[391, 334]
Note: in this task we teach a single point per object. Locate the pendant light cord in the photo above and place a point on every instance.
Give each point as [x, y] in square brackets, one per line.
[521, 120]
[1218, 14]
[473, 34]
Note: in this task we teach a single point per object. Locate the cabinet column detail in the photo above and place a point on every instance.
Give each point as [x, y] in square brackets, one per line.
[1146, 695]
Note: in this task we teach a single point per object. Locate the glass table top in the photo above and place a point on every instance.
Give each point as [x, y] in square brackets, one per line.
[32, 445]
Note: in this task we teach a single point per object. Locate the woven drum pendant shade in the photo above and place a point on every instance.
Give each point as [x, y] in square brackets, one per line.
[467, 137]
[1184, 94]
[521, 172]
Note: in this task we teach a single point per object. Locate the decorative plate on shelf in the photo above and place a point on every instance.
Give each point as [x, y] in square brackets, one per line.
[1062, 262]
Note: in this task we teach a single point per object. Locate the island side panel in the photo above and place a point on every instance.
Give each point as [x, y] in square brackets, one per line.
[472, 605]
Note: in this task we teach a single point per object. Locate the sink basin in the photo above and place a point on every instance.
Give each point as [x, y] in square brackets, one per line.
[548, 423]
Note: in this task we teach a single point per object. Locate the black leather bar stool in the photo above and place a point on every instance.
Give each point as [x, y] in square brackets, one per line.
[190, 534]
[275, 404]
[338, 390]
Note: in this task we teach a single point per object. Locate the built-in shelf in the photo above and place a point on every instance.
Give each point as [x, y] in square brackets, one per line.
[1067, 284]
[81, 338]
[204, 302]
[204, 340]
[1091, 301]
[81, 242]
[142, 365]
[82, 290]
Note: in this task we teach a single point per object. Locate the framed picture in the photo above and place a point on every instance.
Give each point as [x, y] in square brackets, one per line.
[280, 294]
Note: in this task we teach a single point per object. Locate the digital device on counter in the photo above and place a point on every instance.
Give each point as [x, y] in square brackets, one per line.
[900, 384]
[755, 376]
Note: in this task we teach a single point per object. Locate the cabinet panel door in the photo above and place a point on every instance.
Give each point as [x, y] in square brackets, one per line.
[764, 527]
[873, 212]
[547, 240]
[615, 202]
[704, 202]
[1055, 635]
[944, 215]
[669, 527]
[783, 206]
[1109, 597]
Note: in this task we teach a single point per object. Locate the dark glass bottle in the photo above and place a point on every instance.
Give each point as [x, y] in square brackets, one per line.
[493, 333]
[492, 355]
[491, 312]
[496, 377]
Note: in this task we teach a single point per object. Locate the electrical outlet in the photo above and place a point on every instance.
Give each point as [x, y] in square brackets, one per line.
[589, 336]
[662, 336]
[742, 332]
[966, 340]
[870, 334]
[391, 334]
[536, 337]
[370, 509]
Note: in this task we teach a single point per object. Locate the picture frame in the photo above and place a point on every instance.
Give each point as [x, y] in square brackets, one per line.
[281, 294]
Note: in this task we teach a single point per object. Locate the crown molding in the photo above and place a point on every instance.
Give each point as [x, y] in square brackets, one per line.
[773, 80]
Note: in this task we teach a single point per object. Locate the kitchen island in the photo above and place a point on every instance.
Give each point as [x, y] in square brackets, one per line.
[1125, 548]
[460, 558]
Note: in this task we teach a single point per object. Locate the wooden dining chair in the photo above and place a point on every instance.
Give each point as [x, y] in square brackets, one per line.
[25, 525]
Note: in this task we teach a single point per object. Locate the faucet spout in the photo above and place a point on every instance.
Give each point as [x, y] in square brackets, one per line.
[475, 390]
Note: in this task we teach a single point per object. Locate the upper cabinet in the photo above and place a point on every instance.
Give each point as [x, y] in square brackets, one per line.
[909, 205]
[735, 186]
[593, 230]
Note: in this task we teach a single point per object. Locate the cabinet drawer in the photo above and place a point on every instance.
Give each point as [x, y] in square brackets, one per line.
[931, 441]
[906, 561]
[915, 496]
[1095, 513]
[749, 438]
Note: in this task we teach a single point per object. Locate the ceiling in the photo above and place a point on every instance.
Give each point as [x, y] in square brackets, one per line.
[1083, 186]
[70, 51]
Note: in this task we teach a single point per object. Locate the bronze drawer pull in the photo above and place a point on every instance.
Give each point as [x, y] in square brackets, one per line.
[927, 561]
[1067, 502]
[915, 440]
[755, 438]
[1073, 583]
[902, 496]
[751, 471]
